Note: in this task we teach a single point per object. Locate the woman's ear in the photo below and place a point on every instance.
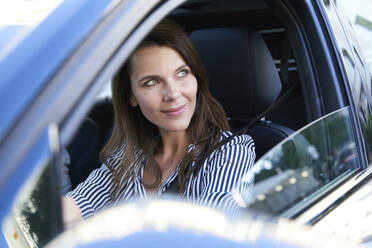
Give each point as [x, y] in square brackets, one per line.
[133, 101]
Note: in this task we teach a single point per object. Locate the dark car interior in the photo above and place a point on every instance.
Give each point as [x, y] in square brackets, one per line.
[248, 55]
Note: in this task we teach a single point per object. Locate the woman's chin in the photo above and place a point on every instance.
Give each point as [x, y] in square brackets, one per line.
[174, 127]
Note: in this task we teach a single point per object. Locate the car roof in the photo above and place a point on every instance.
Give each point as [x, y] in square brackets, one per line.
[27, 69]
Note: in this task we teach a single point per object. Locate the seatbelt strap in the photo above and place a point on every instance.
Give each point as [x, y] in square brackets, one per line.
[278, 102]
[284, 61]
[173, 187]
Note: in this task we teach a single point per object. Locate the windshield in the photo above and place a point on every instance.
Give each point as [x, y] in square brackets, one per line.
[18, 18]
[305, 166]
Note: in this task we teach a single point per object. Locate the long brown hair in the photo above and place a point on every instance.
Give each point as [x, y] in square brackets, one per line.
[134, 134]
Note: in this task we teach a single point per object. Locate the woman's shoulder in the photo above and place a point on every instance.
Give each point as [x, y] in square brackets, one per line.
[231, 143]
[235, 148]
[116, 155]
[230, 139]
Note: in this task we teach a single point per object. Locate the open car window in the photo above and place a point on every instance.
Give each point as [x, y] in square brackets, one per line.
[304, 167]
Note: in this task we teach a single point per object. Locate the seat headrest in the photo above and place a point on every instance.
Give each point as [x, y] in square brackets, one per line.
[241, 72]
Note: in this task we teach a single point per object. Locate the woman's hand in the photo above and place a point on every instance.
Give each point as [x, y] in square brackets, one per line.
[71, 212]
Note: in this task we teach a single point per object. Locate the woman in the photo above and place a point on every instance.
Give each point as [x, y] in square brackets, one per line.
[168, 130]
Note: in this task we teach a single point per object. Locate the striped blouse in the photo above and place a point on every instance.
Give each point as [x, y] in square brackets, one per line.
[216, 184]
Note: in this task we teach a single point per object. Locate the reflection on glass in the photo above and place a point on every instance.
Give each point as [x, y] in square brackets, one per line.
[367, 132]
[32, 219]
[309, 162]
[361, 20]
[359, 32]
[35, 217]
[26, 216]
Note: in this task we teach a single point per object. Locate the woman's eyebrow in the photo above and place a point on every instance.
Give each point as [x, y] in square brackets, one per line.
[181, 67]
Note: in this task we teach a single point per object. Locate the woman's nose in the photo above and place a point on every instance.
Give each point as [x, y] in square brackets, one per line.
[171, 91]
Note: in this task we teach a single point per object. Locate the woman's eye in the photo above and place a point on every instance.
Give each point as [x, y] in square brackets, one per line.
[182, 74]
[150, 82]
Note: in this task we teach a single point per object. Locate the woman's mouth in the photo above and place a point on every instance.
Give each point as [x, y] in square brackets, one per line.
[175, 111]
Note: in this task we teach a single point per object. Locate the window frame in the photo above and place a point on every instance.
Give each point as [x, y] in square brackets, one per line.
[344, 82]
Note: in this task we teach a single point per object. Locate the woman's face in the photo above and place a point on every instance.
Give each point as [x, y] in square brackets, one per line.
[163, 87]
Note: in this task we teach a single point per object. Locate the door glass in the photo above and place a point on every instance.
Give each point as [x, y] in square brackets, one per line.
[35, 216]
[355, 65]
[360, 16]
[303, 167]
[345, 50]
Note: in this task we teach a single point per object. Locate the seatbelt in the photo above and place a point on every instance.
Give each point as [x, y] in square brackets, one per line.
[284, 61]
[173, 187]
[268, 110]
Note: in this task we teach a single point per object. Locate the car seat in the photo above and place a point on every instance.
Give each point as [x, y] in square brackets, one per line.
[84, 151]
[243, 78]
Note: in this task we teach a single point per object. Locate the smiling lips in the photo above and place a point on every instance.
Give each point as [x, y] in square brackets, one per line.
[175, 111]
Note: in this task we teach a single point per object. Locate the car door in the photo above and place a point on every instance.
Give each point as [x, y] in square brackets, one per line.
[83, 50]
[313, 172]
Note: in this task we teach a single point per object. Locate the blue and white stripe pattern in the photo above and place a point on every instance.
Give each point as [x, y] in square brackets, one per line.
[215, 185]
